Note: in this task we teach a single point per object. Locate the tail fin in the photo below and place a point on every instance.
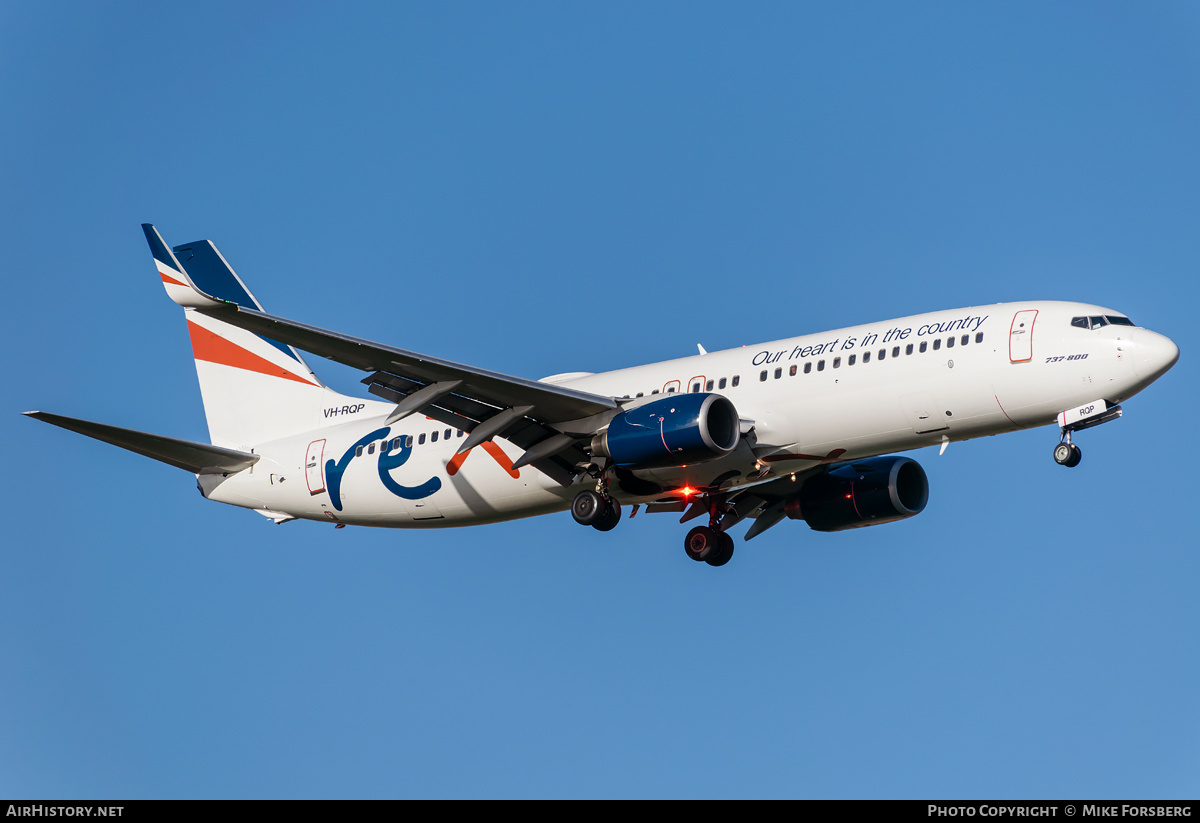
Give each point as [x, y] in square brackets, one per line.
[254, 389]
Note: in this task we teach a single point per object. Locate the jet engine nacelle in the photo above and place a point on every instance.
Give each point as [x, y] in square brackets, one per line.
[862, 493]
[677, 430]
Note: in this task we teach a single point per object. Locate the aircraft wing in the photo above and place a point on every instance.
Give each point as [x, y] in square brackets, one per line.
[554, 404]
[544, 419]
[765, 502]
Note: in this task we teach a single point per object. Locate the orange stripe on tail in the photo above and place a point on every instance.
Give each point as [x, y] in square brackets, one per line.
[216, 349]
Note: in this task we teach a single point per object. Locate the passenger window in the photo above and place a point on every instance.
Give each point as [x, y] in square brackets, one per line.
[433, 437]
[979, 337]
[671, 390]
[654, 392]
[695, 388]
[460, 432]
[737, 378]
[866, 357]
[396, 442]
[808, 367]
[708, 386]
[924, 346]
[421, 439]
[883, 354]
[358, 452]
[762, 376]
[850, 362]
[837, 362]
[447, 434]
[721, 384]
[895, 351]
[949, 342]
[937, 344]
[792, 371]
[371, 449]
[820, 365]
[966, 338]
[641, 394]
[908, 349]
[778, 373]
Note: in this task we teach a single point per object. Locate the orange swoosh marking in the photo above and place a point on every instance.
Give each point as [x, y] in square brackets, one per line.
[500, 457]
[491, 448]
[168, 279]
[456, 462]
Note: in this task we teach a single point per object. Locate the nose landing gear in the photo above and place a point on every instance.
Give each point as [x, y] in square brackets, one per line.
[1067, 453]
[1079, 418]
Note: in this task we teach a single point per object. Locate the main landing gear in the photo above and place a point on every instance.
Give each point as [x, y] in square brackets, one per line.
[596, 508]
[709, 543]
[1067, 453]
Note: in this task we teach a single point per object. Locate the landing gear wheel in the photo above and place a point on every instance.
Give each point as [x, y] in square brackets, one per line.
[1067, 454]
[701, 543]
[724, 551]
[610, 517]
[588, 508]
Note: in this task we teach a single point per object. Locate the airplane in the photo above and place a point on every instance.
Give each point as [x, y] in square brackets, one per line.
[803, 428]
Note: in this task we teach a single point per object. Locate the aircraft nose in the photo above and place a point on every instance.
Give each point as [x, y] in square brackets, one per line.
[1153, 354]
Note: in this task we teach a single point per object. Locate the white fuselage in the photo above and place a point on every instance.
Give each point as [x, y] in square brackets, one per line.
[844, 394]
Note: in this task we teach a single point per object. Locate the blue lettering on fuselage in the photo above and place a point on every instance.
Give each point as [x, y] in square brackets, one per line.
[335, 411]
[388, 460]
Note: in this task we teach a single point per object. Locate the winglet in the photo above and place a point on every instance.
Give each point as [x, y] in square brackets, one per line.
[180, 287]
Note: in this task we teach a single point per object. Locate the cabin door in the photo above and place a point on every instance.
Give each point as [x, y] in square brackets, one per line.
[313, 470]
[1020, 336]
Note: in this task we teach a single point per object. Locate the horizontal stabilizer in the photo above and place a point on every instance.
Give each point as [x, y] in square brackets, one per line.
[198, 458]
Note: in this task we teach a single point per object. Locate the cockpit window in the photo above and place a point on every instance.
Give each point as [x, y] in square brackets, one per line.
[1098, 321]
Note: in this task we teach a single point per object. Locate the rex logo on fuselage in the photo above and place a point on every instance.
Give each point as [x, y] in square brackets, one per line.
[389, 458]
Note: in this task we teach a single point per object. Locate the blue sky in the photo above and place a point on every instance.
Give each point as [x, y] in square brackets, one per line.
[546, 187]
